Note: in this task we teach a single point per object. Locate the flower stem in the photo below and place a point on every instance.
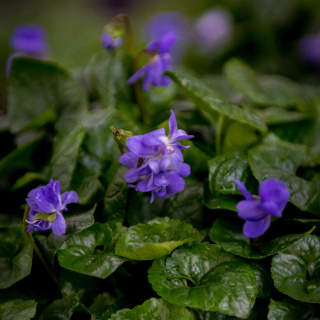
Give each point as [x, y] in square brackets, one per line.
[255, 244]
[129, 36]
[35, 248]
[137, 85]
[219, 133]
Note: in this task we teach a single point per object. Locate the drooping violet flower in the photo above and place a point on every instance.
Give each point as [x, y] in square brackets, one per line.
[257, 211]
[159, 61]
[161, 166]
[309, 49]
[28, 41]
[212, 31]
[109, 42]
[46, 206]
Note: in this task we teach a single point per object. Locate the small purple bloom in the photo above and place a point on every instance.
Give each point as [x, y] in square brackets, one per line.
[257, 211]
[109, 42]
[28, 41]
[160, 61]
[162, 167]
[309, 48]
[48, 200]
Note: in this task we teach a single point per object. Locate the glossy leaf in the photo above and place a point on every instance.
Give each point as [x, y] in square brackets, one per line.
[61, 309]
[274, 158]
[154, 239]
[213, 102]
[102, 304]
[80, 252]
[226, 232]
[220, 281]
[15, 256]
[284, 310]
[153, 309]
[197, 159]
[20, 310]
[296, 270]
[225, 169]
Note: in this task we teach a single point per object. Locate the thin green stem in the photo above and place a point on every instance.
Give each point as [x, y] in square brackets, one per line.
[129, 35]
[219, 134]
[35, 248]
[137, 85]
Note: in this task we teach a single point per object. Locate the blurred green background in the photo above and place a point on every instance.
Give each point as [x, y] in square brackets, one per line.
[265, 32]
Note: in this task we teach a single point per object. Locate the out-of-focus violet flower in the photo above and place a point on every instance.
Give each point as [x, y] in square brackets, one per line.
[309, 49]
[109, 42]
[160, 61]
[170, 21]
[212, 31]
[28, 41]
[161, 161]
[46, 206]
[257, 211]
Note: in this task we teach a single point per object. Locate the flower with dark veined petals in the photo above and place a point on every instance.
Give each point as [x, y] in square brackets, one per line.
[28, 41]
[160, 61]
[257, 211]
[46, 206]
[109, 42]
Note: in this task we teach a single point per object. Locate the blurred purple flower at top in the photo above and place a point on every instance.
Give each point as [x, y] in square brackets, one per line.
[48, 202]
[213, 30]
[29, 41]
[160, 61]
[109, 42]
[170, 21]
[257, 211]
[309, 49]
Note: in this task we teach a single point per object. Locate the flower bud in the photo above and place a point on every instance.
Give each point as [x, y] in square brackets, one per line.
[121, 136]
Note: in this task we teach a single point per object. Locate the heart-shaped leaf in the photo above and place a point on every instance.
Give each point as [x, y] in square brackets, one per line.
[15, 256]
[204, 276]
[296, 270]
[226, 232]
[80, 252]
[20, 310]
[154, 239]
[153, 309]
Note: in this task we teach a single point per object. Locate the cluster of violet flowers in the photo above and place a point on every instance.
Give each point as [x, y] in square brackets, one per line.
[156, 161]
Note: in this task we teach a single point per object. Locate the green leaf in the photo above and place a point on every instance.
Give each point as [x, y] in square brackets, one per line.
[154, 239]
[80, 252]
[285, 309]
[263, 278]
[265, 90]
[102, 303]
[51, 217]
[26, 179]
[15, 256]
[226, 232]
[23, 310]
[61, 309]
[36, 86]
[153, 309]
[65, 154]
[274, 158]
[212, 102]
[225, 169]
[203, 276]
[41, 120]
[76, 221]
[7, 220]
[296, 270]
[115, 201]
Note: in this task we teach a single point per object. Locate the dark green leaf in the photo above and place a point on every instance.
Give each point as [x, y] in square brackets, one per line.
[154, 239]
[225, 169]
[7, 220]
[80, 252]
[274, 158]
[24, 310]
[26, 179]
[153, 309]
[37, 86]
[219, 280]
[195, 158]
[61, 309]
[296, 270]
[102, 303]
[226, 232]
[212, 102]
[286, 309]
[15, 256]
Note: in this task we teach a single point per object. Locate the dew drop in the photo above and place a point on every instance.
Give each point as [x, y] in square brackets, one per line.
[231, 284]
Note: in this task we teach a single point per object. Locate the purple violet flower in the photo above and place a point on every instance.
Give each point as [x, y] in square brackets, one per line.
[257, 211]
[162, 167]
[109, 42]
[48, 201]
[160, 61]
[309, 48]
[28, 41]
